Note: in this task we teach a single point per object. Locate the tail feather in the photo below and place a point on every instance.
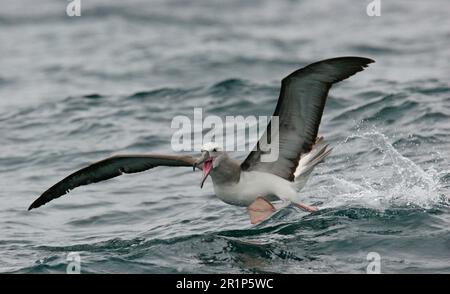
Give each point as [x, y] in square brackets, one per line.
[309, 160]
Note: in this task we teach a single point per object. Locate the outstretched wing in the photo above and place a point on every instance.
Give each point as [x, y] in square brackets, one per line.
[110, 168]
[299, 108]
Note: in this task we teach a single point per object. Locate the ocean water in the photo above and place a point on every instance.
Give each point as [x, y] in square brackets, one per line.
[74, 90]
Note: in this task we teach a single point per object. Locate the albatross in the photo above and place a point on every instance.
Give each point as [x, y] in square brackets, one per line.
[252, 183]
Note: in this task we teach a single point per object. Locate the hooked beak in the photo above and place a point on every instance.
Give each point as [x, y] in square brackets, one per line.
[207, 165]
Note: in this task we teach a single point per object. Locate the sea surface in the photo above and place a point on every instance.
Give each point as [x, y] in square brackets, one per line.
[74, 90]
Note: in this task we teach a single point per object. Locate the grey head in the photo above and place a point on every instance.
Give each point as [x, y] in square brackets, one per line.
[218, 164]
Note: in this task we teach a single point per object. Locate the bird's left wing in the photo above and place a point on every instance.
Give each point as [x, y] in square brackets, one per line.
[299, 109]
[110, 168]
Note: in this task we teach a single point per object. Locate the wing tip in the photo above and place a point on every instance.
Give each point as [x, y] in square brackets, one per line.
[364, 60]
[41, 200]
[35, 204]
[354, 64]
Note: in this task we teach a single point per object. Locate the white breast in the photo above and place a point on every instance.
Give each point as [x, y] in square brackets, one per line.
[252, 185]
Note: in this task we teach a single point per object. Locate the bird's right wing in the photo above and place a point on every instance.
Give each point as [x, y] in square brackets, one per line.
[110, 168]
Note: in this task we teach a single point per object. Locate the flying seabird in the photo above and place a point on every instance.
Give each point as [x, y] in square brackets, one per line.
[253, 183]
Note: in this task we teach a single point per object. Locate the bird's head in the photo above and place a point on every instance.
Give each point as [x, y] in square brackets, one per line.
[211, 156]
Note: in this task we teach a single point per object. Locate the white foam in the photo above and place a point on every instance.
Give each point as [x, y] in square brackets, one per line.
[389, 180]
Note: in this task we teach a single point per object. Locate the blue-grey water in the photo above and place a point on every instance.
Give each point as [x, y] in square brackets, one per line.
[74, 90]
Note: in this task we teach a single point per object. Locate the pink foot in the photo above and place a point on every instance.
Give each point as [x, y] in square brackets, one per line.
[307, 208]
[259, 210]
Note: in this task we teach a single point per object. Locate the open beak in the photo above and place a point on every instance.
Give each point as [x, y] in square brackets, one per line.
[207, 165]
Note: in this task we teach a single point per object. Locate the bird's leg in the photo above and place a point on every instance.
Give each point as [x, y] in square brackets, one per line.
[307, 208]
[259, 210]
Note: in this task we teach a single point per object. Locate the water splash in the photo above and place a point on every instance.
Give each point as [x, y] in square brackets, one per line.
[389, 180]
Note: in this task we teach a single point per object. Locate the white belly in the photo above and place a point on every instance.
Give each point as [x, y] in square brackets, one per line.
[255, 184]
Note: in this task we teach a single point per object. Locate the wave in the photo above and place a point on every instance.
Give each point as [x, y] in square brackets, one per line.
[285, 239]
[390, 180]
[164, 93]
